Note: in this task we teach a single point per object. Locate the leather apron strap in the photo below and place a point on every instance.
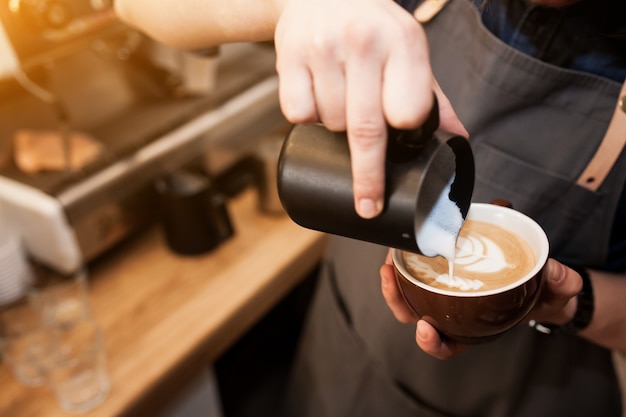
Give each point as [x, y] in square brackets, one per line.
[609, 150]
[428, 9]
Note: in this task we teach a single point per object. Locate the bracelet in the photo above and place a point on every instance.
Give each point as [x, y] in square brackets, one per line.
[584, 309]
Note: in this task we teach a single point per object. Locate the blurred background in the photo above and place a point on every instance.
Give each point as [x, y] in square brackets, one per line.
[93, 117]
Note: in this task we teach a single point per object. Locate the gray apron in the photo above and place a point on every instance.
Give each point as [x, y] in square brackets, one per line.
[533, 127]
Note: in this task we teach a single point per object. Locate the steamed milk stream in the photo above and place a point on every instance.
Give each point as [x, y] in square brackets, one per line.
[440, 230]
[482, 256]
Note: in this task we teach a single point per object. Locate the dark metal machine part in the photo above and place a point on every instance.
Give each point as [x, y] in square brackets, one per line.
[193, 214]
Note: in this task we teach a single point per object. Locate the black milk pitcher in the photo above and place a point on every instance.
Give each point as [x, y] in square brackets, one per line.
[314, 181]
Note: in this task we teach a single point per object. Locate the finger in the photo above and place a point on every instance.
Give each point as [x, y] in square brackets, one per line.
[557, 301]
[295, 91]
[429, 340]
[367, 131]
[561, 284]
[407, 88]
[393, 297]
[448, 120]
[329, 87]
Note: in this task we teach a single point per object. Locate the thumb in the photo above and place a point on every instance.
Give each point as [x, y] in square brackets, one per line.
[562, 283]
[448, 120]
[557, 302]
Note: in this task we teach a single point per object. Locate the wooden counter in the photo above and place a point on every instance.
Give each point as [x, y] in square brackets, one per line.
[165, 316]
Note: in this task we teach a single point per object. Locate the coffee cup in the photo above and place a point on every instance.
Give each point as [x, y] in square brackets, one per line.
[496, 280]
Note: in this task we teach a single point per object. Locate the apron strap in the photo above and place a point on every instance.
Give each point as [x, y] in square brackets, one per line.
[428, 9]
[609, 150]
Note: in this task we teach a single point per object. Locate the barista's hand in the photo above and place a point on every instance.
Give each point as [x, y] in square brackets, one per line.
[427, 338]
[557, 301]
[356, 65]
[556, 305]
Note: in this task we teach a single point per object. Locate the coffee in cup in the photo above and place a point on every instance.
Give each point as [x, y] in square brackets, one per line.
[487, 257]
[496, 279]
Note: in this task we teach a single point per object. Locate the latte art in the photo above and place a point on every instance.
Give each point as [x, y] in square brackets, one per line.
[487, 257]
[471, 252]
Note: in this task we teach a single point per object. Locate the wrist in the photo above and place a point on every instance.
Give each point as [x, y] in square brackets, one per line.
[584, 305]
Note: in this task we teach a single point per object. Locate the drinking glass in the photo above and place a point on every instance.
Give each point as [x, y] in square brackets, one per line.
[21, 331]
[76, 372]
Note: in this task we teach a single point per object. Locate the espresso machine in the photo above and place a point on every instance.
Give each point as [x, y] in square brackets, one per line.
[72, 74]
